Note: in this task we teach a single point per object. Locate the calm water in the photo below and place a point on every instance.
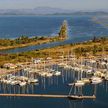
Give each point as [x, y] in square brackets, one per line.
[81, 28]
[54, 85]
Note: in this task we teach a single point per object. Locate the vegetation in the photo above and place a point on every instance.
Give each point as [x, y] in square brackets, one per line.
[85, 49]
[20, 40]
[63, 30]
[25, 41]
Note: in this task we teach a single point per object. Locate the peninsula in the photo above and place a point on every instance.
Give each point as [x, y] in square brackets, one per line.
[24, 41]
[93, 48]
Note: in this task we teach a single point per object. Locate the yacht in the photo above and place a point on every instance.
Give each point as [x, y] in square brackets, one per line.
[49, 74]
[14, 82]
[96, 80]
[32, 80]
[79, 83]
[57, 73]
[86, 80]
[22, 83]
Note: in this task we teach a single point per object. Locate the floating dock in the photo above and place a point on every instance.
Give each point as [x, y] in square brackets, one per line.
[48, 96]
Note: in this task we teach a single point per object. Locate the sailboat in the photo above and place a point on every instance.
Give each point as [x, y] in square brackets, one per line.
[78, 95]
[96, 80]
[79, 82]
[32, 80]
[62, 64]
[57, 73]
[23, 83]
[106, 76]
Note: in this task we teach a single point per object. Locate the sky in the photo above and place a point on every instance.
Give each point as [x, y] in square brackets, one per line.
[64, 4]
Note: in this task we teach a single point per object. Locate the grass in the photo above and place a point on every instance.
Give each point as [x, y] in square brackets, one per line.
[11, 44]
[91, 48]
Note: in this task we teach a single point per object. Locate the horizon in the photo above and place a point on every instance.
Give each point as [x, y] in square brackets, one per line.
[67, 5]
[72, 10]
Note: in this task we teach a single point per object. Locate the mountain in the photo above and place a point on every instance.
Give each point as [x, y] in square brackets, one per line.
[35, 11]
[48, 11]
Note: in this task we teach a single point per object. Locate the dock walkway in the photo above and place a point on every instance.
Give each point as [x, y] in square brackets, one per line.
[46, 96]
[34, 95]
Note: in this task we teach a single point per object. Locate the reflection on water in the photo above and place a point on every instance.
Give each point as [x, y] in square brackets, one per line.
[54, 85]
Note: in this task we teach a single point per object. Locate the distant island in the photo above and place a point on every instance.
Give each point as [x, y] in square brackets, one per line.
[50, 11]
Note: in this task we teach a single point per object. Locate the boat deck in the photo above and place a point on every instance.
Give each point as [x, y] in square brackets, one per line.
[75, 97]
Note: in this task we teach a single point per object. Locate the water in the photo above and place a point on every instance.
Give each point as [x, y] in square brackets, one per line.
[81, 28]
[54, 85]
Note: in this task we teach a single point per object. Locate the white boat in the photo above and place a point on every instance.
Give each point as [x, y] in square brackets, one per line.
[79, 83]
[8, 81]
[85, 80]
[23, 78]
[76, 69]
[22, 83]
[57, 73]
[67, 67]
[96, 80]
[78, 93]
[14, 82]
[34, 71]
[49, 74]
[99, 74]
[52, 70]
[89, 72]
[32, 80]
[4, 80]
[106, 77]
[61, 64]
[43, 74]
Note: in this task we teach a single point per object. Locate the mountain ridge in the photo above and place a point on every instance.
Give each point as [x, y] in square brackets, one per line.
[49, 11]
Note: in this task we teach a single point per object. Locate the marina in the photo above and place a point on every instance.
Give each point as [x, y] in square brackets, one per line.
[84, 71]
[67, 80]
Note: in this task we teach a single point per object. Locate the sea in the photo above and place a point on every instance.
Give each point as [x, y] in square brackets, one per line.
[81, 28]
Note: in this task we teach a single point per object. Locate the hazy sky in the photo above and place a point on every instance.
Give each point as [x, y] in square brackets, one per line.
[65, 4]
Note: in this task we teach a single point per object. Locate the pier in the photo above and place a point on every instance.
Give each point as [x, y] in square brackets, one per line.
[34, 95]
[48, 96]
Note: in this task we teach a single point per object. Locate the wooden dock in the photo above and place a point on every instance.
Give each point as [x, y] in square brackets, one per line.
[48, 96]
[34, 95]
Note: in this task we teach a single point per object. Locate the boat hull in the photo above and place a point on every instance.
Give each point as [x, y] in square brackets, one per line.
[79, 97]
[75, 97]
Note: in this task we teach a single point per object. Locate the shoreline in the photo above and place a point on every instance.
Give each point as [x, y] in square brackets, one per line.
[91, 48]
[25, 41]
[38, 42]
